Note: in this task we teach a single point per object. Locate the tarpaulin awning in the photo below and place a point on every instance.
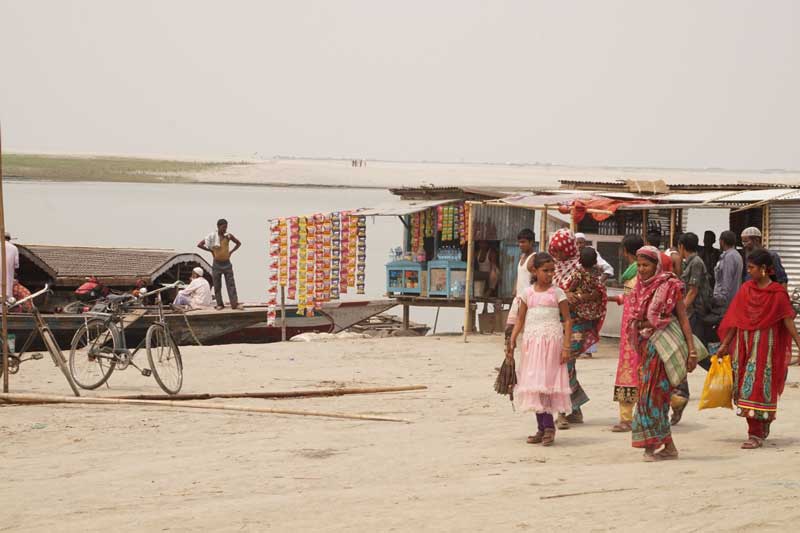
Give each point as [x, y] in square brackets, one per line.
[599, 208]
[402, 207]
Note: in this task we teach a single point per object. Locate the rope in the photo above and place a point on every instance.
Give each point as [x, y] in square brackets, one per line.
[191, 331]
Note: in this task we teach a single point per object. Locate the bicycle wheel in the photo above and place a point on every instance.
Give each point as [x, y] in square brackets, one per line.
[92, 353]
[165, 359]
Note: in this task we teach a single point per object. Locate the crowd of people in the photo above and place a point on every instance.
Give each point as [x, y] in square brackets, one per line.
[679, 306]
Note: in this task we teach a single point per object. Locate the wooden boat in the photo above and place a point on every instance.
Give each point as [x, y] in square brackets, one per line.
[63, 268]
[205, 325]
[210, 326]
[332, 318]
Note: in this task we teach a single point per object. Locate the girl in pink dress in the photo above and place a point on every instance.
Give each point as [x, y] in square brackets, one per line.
[542, 378]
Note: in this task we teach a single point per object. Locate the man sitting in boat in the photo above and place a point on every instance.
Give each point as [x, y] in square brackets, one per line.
[196, 295]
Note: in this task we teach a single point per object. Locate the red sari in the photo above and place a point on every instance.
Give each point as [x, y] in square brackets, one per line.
[759, 351]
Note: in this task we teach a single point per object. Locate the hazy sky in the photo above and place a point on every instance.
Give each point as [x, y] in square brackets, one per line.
[681, 83]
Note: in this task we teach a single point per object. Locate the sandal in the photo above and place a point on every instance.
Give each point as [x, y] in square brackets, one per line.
[622, 427]
[752, 443]
[562, 422]
[549, 437]
[219, 307]
[650, 457]
[575, 417]
[664, 455]
[535, 439]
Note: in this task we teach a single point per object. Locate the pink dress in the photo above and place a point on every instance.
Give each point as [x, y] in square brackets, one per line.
[542, 380]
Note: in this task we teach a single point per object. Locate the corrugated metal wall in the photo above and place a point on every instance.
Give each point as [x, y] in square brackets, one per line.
[784, 238]
[500, 223]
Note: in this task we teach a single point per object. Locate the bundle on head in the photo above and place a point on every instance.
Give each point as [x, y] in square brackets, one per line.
[506, 378]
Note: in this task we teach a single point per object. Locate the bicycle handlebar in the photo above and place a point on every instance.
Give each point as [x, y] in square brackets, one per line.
[11, 303]
[165, 287]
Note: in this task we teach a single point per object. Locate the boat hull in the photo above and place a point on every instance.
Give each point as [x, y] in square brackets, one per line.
[332, 318]
[205, 325]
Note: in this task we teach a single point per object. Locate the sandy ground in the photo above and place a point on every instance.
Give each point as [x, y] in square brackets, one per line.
[461, 465]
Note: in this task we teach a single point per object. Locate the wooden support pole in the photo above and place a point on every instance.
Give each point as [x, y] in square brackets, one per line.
[3, 288]
[283, 313]
[671, 228]
[765, 226]
[406, 316]
[573, 225]
[543, 231]
[275, 395]
[470, 259]
[644, 225]
[47, 399]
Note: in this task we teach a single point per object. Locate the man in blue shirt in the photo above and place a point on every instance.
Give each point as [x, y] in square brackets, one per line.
[751, 240]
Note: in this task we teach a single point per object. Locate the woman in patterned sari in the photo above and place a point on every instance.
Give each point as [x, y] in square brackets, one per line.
[585, 333]
[626, 384]
[655, 301]
[759, 328]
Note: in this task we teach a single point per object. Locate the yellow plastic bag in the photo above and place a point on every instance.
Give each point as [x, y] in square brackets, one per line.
[718, 388]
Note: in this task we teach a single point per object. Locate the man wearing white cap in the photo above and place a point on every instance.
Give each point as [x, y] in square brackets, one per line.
[606, 269]
[751, 240]
[197, 295]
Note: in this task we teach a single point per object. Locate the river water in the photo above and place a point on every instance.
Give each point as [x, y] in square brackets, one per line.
[177, 216]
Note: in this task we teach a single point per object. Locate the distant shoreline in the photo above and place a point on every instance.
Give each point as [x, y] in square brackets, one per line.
[341, 174]
[157, 181]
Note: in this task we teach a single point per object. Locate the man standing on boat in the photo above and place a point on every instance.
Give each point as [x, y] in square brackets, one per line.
[219, 244]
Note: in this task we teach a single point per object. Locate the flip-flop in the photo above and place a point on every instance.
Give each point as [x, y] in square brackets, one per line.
[535, 439]
[622, 427]
[752, 443]
[664, 455]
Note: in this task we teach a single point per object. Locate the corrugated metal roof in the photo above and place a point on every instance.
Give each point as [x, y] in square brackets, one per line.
[402, 207]
[699, 197]
[538, 200]
[762, 195]
[70, 264]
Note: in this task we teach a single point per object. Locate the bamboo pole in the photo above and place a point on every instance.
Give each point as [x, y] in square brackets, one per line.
[470, 259]
[671, 228]
[644, 224]
[283, 313]
[48, 399]
[3, 287]
[543, 231]
[272, 395]
[765, 225]
[573, 225]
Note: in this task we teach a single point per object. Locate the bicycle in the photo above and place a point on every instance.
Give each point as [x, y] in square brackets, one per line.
[99, 346]
[43, 330]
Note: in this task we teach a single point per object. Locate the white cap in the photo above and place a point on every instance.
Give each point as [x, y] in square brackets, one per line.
[580, 236]
[199, 271]
[752, 231]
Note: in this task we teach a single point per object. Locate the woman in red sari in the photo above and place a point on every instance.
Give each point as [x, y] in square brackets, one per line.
[757, 331]
[585, 333]
[655, 302]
